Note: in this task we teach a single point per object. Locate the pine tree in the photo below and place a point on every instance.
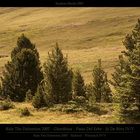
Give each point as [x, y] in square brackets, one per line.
[23, 43]
[119, 80]
[58, 77]
[40, 98]
[23, 72]
[101, 88]
[129, 74]
[78, 84]
[134, 77]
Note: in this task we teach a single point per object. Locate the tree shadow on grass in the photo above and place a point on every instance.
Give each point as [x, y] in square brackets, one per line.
[97, 110]
[131, 117]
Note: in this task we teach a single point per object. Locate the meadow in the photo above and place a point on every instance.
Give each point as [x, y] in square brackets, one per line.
[84, 35]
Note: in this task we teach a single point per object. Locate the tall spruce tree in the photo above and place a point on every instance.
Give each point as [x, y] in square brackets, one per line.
[23, 72]
[119, 81]
[134, 60]
[101, 87]
[78, 84]
[130, 76]
[58, 77]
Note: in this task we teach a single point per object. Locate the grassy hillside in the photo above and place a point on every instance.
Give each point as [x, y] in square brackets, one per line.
[47, 116]
[85, 34]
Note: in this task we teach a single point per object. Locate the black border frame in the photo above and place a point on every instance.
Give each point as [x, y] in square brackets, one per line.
[10, 130]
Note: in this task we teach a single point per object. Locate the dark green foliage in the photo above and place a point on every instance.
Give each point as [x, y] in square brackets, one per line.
[119, 70]
[78, 84]
[23, 43]
[58, 77]
[101, 87]
[71, 108]
[97, 108]
[121, 83]
[40, 99]
[5, 105]
[81, 100]
[127, 75]
[25, 112]
[23, 72]
[134, 77]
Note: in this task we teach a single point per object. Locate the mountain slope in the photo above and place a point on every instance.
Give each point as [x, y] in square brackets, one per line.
[85, 34]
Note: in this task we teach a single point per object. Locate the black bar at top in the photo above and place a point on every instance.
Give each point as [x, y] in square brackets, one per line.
[69, 3]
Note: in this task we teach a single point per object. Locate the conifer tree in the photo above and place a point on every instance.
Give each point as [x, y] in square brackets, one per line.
[134, 77]
[101, 88]
[129, 76]
[23, 72]
[40, 98]
[78, 84]
[58, 77]
[121, 83]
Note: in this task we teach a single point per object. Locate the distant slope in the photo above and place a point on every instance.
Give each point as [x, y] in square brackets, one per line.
[94, 32]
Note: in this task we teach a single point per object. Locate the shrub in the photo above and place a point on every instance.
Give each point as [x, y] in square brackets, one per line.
[80, 100]
[40, 99]
[71, 108]
[25, 112]
[97, 108]
[5, 105]
[29, 96]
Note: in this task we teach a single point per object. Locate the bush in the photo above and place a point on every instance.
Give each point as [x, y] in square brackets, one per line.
[40, 98]
[71, 108]
[80, 100]
[5, 105]
[29, 96]
[25, 112]
[97, 108]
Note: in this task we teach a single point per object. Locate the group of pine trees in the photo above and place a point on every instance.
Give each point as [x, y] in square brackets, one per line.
[25, 80]
[54, 83]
